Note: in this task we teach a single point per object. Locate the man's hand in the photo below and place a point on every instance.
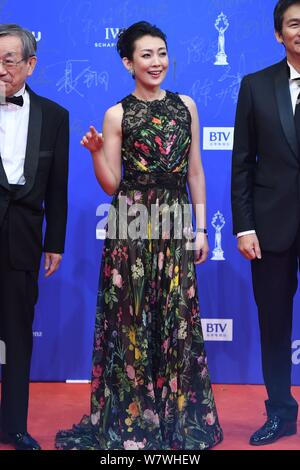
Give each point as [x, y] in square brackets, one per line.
[52, 262]
[248, 246]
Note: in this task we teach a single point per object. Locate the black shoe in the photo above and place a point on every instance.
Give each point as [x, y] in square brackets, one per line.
[273, 429]
[20, 441]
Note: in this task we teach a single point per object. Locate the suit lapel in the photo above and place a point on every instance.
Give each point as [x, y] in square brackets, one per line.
[285, 108]
[3, 178]
[33, 144]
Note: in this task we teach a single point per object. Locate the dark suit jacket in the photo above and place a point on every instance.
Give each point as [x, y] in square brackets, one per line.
[266, 161]
[45, 190]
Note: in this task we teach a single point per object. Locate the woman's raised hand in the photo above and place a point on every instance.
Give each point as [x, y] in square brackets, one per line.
[92, 140]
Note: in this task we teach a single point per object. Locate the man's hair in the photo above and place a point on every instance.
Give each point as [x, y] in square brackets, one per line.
[127, 37]
[27, 38]
[279, 11]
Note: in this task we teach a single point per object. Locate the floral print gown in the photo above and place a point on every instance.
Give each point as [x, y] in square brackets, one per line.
[150, 383]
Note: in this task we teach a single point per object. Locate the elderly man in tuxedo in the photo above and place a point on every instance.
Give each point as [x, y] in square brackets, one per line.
[34, 147]
[266, 211]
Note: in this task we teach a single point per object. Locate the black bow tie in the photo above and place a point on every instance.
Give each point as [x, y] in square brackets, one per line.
[18, 100]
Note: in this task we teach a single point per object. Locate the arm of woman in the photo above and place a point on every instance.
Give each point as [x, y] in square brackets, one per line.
[106, 149]
[196, 183]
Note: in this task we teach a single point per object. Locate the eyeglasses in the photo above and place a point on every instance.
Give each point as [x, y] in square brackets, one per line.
[10, 64]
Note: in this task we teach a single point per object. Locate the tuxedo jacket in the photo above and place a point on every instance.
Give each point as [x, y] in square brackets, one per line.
[266, 160]
[45, 190]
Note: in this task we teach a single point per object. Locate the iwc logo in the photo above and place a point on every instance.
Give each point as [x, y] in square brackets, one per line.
[110, 38]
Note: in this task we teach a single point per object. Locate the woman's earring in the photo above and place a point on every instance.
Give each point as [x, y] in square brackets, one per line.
[131, 71]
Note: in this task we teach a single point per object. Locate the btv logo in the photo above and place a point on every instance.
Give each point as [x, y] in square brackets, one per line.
[217, 329]
[218, 138]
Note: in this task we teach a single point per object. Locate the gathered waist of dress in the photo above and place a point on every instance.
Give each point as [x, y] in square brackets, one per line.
[142, 180]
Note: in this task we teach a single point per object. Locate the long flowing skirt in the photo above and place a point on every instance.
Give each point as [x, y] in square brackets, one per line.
[150, 384]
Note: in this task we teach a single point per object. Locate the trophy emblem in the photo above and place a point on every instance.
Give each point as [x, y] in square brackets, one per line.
[221, 26]
[218, 223]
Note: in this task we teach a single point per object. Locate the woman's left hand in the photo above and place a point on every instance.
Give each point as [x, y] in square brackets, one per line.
[201, 248]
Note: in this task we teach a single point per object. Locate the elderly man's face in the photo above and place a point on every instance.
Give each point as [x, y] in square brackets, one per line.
[14, 70]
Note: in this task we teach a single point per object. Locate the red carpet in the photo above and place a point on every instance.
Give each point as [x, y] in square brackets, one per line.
[56, 406]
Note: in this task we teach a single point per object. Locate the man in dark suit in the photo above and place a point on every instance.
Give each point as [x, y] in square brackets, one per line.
[34, 142]
[266, 211]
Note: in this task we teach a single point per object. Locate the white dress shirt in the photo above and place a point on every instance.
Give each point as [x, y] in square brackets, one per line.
[294, 85]
[13, 137]
[294, 91]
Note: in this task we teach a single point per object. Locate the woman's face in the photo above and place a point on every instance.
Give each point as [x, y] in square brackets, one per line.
[150, 61]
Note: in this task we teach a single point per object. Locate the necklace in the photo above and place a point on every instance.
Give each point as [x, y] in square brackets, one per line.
[161, 97]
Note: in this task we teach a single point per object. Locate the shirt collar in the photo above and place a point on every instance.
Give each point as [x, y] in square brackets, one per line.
[294, 74]
[22, 91]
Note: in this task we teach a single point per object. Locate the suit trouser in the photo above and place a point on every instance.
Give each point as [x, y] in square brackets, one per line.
[18, 295]
[275, 281]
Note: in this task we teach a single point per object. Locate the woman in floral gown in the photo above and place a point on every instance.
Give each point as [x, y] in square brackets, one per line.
[150, 381]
